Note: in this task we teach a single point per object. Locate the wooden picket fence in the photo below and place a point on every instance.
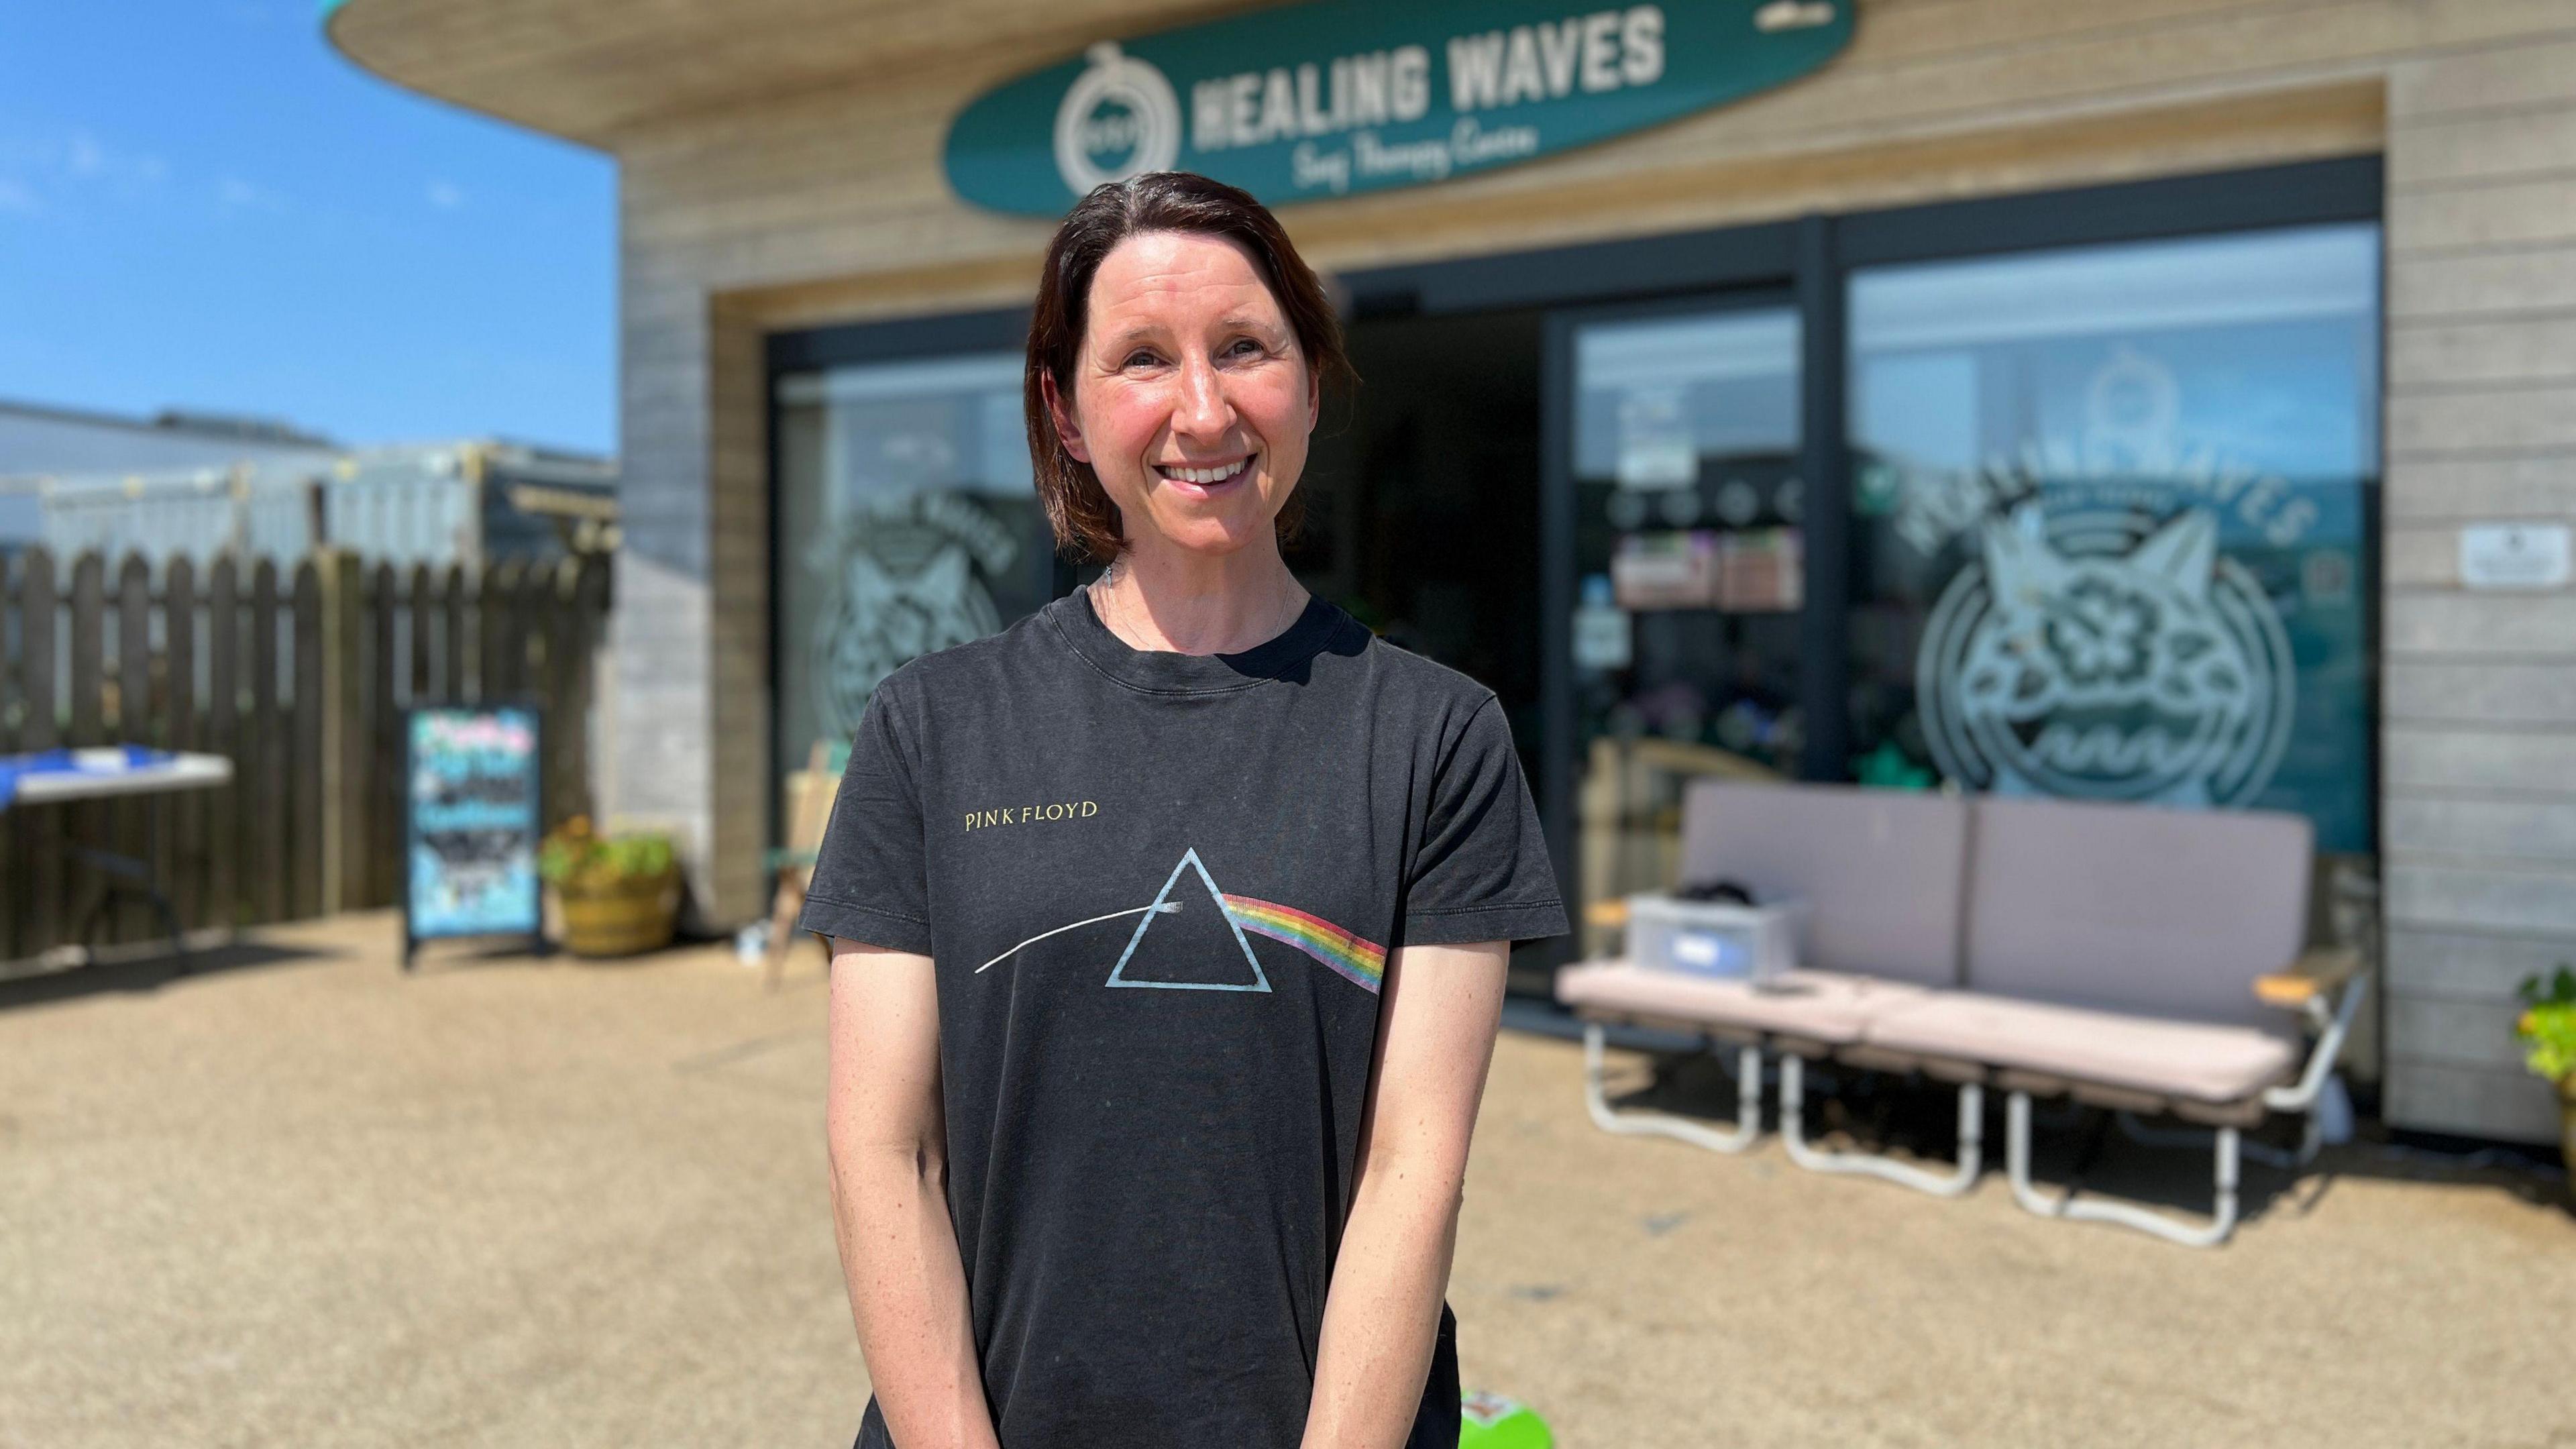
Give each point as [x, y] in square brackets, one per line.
[299, 678]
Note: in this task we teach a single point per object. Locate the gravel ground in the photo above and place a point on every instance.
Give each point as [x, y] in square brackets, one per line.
[301, 1199]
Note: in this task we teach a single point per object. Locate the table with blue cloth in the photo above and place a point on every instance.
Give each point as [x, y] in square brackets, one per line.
[48, 777]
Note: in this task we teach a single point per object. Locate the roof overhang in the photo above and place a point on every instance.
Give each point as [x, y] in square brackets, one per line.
[588, 70]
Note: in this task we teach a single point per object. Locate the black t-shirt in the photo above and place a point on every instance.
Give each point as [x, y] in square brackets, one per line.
[1160, 890]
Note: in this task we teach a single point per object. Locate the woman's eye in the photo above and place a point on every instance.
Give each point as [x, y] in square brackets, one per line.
[1243, 345]
[1139, 358]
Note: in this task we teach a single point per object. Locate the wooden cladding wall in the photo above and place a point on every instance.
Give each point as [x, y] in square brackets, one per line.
[300, 679]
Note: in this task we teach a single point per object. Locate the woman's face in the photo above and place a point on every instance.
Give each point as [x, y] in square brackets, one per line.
[1191, 398]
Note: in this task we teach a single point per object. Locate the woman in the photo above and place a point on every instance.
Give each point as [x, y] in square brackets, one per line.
[1169, 924]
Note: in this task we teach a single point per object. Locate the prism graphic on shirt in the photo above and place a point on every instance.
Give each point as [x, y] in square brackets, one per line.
[1352, 957]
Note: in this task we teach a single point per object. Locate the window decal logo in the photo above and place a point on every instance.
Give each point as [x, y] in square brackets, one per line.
[2098, 654]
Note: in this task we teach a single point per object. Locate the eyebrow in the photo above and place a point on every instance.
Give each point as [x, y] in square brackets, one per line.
[1137, 334]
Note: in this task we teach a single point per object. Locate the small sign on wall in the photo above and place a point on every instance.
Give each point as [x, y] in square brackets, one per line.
[2514, 556]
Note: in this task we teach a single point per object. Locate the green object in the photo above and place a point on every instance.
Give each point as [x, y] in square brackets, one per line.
[1490, 1421]
[1337, 97]
[2547, 1026]
[1889, 768]
[573, 858]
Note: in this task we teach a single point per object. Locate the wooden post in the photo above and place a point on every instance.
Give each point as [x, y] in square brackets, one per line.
[224, 737]
[40, 832]
[567, 645]
[182, 841]
[424, 637]
[264, 813]
[132, 921]
[308, 810]
[341, 691]
[379, 744]
[89, 819]
[453, 607]
[504, 647]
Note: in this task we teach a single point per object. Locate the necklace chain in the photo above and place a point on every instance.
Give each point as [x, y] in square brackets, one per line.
[1101, 590]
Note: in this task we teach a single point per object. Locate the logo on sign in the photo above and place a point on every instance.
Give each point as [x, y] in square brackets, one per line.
[1120, 118]
[1334, 97]
[2097, 655]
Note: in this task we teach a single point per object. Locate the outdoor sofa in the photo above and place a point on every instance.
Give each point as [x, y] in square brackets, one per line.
[2136, 958]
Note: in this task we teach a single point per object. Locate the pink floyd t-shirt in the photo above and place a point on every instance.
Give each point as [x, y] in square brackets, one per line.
[1161, 891]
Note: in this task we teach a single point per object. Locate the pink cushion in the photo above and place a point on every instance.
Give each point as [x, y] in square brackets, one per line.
[1823, 1006]
[2177, 1058]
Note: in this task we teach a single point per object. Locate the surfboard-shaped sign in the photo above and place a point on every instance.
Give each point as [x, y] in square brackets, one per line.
[1338, 97]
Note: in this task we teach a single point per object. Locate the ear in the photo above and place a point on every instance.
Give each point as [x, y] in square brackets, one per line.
[1067, 430]
[2184, 552]
[2018, 558]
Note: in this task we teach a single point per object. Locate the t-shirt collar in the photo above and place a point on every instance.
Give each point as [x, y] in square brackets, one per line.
[1168, 672]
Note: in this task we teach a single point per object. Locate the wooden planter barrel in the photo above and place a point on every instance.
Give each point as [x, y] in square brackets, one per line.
[622, 919]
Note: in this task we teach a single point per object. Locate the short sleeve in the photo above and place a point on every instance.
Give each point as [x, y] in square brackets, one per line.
[1481, 872]
[871, 877]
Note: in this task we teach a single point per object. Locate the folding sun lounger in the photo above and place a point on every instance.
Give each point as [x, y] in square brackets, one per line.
[2135, 958]
[2140, 960]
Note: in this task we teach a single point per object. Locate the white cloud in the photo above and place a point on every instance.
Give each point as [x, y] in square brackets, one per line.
[233, 194]
[446, 195]
[66, 165]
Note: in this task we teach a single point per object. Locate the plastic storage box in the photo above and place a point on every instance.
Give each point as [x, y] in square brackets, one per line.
[1716, 938]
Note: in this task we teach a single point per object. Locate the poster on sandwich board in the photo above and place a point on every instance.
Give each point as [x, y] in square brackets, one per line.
[472, 819]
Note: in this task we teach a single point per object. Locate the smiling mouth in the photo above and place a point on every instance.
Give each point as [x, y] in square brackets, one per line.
[1215, 475]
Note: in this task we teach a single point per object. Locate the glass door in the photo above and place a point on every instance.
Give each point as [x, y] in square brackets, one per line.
[907, 522]
[1681, 497]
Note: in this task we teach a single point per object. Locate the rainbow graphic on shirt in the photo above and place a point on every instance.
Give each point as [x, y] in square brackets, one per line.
[1361, 961]
[1355, 959]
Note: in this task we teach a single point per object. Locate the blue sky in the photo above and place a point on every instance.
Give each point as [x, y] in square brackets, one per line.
[203, 205]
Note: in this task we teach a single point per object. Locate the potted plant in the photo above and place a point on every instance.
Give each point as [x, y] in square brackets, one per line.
[619, 895]
[2547, 1028]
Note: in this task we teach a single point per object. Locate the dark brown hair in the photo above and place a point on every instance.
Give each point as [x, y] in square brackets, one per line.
[1086, 523]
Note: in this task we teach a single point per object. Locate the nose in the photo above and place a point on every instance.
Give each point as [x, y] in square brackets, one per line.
[1201, 410]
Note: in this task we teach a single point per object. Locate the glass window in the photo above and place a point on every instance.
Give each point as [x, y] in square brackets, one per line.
[1687, 544]
[2112, 531]
[907, 522]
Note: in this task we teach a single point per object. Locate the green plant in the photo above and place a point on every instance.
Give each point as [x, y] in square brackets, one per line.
[2547, 1025]
[574, 858]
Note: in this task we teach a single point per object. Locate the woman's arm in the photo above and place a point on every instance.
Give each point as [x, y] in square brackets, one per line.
[889, 1154]
[1435, 1040]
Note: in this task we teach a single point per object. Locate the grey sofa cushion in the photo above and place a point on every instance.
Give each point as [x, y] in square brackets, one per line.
[1821, 1006]
[2163, 912]
[1882, 869]
[2196, 1060]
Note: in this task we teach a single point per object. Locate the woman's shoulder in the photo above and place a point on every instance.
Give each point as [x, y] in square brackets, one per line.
[956, 672]
[1417, 683]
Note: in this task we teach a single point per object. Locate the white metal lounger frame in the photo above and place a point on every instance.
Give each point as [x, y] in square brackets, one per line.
[1961, 1177]
[1793, 1135]
[2299, 1096]
[1639, 1121]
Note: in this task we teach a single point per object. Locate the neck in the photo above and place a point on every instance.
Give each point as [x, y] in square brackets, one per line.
[1189, 603]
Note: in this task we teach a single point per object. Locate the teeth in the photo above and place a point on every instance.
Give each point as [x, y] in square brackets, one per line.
[1206, 475]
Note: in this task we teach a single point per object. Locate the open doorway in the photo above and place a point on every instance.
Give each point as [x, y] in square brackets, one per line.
[1422, 517]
